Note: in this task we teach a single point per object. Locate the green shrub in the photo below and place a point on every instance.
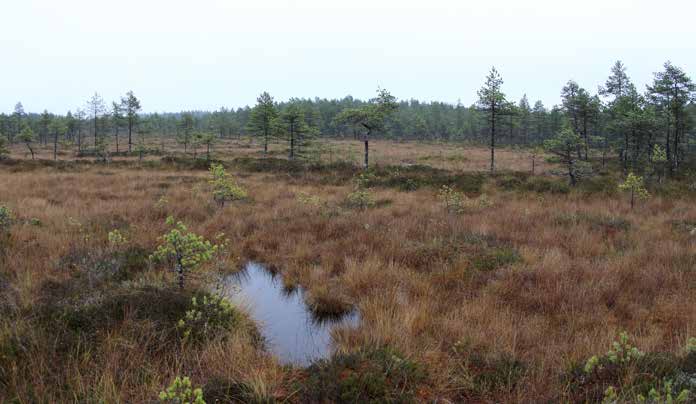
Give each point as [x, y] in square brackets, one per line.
[626, 374]
[6, 218]
[208, 317]
[376, 375]
[181, 391]
[360, 199]
[361, 196]
[457, 202]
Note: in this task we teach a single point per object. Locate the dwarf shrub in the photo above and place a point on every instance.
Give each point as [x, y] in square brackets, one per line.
[208, 317]
[6, 218]
[181, 391]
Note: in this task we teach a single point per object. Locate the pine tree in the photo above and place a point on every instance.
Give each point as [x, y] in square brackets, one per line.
[371, 117]
[131, 107]
[95, 107]
[262, 119]
[492, 102]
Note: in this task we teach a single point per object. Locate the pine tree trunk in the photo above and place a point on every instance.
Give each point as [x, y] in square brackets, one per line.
[367, 151]
[493, 139]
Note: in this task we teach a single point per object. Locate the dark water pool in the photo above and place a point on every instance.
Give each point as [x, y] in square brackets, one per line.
[292, 332]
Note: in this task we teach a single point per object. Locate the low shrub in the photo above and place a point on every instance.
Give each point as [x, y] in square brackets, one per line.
[360, 199]
[457, 202]
[181, 391]
[6, 218]
[208, 316]
[626, 374]
[376, 375]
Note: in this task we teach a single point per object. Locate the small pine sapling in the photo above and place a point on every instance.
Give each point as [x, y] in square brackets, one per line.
[634, 185]
[187, 250]
[224, 189]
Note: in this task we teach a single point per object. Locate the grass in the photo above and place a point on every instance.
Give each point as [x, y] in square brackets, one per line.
[543, 278]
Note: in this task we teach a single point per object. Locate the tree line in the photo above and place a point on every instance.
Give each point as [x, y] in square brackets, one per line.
[616, 119]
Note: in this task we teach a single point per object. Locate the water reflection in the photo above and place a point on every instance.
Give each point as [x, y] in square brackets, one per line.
[293, 333]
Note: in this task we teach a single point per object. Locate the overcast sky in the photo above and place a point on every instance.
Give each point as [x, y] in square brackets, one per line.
[179, 55]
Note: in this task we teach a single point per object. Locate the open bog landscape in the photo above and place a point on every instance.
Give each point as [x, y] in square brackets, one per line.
[383, 201]
[503, 298]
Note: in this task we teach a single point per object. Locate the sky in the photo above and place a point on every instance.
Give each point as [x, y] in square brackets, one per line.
[197, 55]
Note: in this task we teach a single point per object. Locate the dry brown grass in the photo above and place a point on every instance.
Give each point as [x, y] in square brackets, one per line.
[418, 275]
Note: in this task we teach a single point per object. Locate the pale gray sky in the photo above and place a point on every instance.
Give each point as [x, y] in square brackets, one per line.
[208, 53]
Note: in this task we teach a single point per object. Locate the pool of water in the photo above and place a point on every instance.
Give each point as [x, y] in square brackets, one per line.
[291, 331]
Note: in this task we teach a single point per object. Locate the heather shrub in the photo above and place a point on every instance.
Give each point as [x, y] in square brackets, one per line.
[208, 317]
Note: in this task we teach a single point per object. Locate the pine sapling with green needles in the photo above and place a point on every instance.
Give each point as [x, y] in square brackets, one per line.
[634, 185]
[187, 250]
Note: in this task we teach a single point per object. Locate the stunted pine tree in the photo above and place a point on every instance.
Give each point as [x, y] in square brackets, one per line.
[18, 117]
[116, 121]
[299, 134]
[261, 121]
[130, 106]
[371, 117]
[79, 119]
[95, 108]
[492, 102]
[565, 145]
[57, 128]
[44, 122]
[27, 137]
[185, 134]
[208, 139]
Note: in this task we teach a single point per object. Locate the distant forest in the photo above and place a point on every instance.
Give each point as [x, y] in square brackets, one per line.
[615, 118]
